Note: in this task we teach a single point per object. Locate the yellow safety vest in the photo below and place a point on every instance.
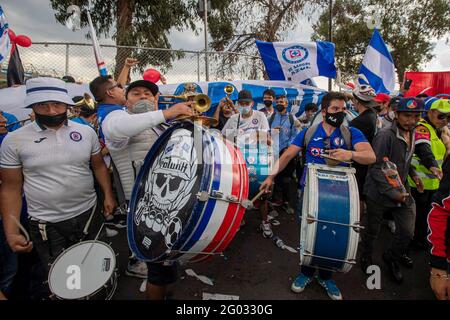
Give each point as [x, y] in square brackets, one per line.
[430, 182]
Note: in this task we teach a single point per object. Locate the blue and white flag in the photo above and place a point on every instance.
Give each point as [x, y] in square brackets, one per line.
[5, 43]
[378, 65]
[297, 62]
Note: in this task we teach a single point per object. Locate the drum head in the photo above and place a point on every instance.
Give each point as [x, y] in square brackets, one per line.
[71, 278]
[165, 194]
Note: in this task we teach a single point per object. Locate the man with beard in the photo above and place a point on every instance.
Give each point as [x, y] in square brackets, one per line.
[49, 159]
[332, 138]
[129, 134]
[385, 195]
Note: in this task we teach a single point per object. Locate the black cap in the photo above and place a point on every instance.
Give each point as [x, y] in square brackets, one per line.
[68, 79]
[245, 96]
[142, 83]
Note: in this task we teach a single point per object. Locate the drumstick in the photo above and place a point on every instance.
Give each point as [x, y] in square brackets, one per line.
[17, 222]
[260, 193]
[92, 244]
[331, 158]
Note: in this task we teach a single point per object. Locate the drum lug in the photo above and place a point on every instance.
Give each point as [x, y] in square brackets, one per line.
[203, 196]
[217, 194]
[357, 227]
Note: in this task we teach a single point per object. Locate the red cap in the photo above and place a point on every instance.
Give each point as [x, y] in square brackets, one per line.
[382, 98]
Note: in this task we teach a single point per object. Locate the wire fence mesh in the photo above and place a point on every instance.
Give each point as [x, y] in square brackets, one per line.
[77, 59]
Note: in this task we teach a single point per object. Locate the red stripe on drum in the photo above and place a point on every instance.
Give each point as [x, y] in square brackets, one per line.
[235, 212]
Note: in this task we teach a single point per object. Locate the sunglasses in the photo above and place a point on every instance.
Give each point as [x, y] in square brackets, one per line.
[117, 85]
[444, 116]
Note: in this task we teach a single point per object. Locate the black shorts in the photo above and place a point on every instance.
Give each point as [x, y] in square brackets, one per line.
[159, 274]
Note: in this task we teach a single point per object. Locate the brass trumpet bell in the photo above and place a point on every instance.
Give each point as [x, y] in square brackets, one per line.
[87, 101]
[229, 89]
[202, 101]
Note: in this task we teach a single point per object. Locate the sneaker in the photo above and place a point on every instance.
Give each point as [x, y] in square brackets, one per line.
[391, 225]
[332, 290]
[300, 283]
[111, 233]
[137, 270]
[266, 228]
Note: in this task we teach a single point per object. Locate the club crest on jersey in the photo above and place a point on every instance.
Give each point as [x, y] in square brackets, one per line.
[75, 136]
[315, 152]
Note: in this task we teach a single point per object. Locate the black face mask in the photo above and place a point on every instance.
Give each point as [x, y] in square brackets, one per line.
[51, 121]
[280, 107]
[335, 119]
[268, 103]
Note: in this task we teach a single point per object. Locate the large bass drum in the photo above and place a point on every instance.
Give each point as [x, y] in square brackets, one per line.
[330, 218]
[186, 202]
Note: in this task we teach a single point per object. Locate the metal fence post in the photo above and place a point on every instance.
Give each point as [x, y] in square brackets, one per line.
[67, 59]
[198, 66]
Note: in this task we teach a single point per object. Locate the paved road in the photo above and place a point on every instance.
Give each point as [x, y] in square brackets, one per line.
[255, 268]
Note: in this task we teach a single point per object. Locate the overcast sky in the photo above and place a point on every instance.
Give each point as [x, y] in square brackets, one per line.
[35, 19]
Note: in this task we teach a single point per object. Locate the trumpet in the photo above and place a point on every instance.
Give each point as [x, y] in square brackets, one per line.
[87, 101]
[202, 101]
[229, 89]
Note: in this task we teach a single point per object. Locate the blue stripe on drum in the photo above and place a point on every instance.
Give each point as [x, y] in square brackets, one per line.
[332, 240]
[211, 202]
[133, 201]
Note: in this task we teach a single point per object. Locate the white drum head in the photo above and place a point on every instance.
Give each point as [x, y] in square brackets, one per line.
[69, 278]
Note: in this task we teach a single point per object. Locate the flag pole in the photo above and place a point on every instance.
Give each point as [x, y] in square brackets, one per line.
[330, 6]
[98, 58]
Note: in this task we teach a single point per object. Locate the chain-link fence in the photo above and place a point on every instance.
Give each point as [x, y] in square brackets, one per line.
[77, 59]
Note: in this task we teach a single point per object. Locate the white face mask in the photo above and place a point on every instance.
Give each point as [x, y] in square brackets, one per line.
[143, 106]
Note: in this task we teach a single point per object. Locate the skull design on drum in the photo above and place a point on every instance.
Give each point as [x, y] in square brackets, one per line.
[168, 187]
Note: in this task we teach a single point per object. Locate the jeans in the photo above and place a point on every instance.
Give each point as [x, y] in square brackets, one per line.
[404, 218]
[423, 207]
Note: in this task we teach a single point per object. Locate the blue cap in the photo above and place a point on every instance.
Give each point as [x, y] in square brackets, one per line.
[410, 105]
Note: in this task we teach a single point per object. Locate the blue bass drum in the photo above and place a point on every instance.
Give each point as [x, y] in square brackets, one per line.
[330, 223]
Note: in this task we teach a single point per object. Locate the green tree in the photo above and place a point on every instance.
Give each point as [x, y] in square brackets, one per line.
[408, 27]
[142, 23]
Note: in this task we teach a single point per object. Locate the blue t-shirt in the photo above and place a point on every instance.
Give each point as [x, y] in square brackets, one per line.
[317, 142]
[287, 132]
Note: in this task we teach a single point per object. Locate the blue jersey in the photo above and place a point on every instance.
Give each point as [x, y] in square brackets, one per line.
[319, 142]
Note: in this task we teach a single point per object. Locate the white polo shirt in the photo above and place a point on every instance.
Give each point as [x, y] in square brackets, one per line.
[58, 182]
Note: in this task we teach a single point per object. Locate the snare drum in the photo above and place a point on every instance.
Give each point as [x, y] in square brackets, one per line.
[186, 202]
[95, 278]
[330, 223]
[259, 161]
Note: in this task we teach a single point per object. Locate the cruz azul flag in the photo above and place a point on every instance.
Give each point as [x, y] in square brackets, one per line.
[297, 61]
[4, 36]
[378, 65]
